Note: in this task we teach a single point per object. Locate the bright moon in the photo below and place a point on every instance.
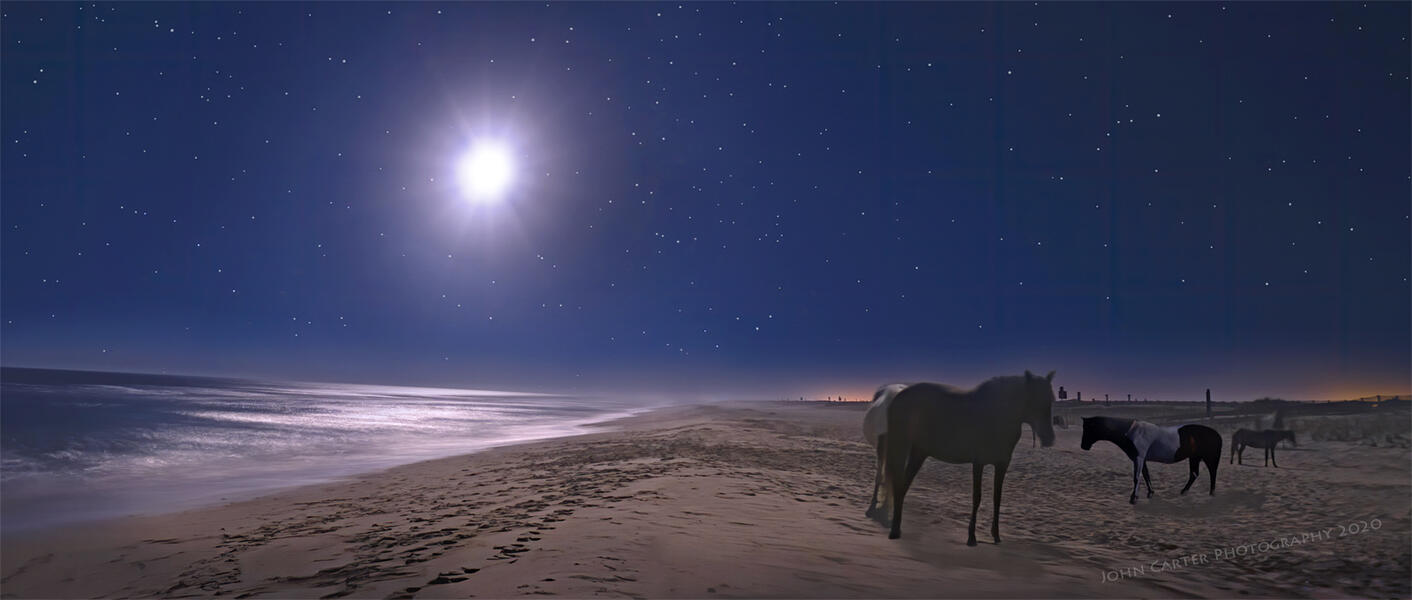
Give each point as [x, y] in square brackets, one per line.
[485, 172]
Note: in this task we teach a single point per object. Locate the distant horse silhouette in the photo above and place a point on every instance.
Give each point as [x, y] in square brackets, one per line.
[1143, 442]
[875, 431]
[1266, 439]
[979, 426]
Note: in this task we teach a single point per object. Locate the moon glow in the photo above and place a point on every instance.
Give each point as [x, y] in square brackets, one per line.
[485, 172]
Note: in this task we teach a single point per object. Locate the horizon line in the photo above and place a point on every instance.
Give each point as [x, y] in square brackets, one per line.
[791, 398]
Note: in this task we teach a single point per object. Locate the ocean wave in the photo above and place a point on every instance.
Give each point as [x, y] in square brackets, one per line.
[96, 448]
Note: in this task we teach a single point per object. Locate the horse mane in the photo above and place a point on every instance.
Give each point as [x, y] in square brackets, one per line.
[1115, 425]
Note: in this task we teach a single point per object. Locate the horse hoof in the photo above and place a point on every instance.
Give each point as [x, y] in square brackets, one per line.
[1132, 500]
[997, 539]
[971, 542]
[1149, 494]
[892, 535]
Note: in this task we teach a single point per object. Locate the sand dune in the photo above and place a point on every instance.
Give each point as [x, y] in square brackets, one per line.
[754, 501]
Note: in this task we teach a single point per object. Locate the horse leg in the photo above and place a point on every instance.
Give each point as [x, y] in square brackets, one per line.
[900, 482]
[914, 464]
[1233, 449]
[1240, 456]
[1195, 469]
[895, 477]
[976, 470]
[878, 477]
[1138, 464]
[1211, 464]
[1147, 479]
[895, 474]
[1272, 456]
[995, 519]
[1267, 457]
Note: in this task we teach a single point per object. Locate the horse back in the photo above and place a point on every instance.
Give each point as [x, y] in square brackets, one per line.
[1267, 438]
[1199, 441]
[1162, 444]
[932, 402]
[951, 425]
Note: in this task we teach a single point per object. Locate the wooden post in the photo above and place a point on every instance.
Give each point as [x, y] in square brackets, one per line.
[1208, 404]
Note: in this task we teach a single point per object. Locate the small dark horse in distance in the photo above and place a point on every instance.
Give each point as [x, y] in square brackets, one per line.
[1266, 439]
[979, 426]
[1143, 442]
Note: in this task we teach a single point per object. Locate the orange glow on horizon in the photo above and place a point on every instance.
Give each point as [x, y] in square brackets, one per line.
[1360, 391]
[848, 394]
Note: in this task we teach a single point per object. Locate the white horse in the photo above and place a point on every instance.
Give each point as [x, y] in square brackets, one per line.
[874, 430]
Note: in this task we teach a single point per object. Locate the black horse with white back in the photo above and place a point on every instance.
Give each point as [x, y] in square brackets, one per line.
[1143, 442]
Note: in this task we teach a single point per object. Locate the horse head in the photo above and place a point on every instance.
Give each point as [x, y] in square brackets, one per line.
[1039, 405]
[1095, 429]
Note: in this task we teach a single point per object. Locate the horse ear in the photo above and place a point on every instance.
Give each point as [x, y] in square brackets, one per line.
[1050, 376]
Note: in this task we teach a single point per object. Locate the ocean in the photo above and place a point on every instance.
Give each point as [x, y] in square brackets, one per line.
[78, 445]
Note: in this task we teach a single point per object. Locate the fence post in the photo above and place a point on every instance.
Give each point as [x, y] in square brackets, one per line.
[1208, 404]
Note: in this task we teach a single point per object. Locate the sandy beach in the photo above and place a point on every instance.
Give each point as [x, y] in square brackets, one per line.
[758, 500]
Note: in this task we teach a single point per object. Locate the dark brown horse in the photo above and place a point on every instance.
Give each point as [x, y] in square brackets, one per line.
[979, 426]
[1266, 439]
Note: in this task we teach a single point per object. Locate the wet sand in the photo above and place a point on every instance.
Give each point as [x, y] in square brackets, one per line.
[762, 500]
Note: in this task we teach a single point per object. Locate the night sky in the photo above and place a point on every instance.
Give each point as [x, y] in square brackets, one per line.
[743, 200]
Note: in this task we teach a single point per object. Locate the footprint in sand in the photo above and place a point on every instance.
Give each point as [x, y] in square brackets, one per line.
[449, 577]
